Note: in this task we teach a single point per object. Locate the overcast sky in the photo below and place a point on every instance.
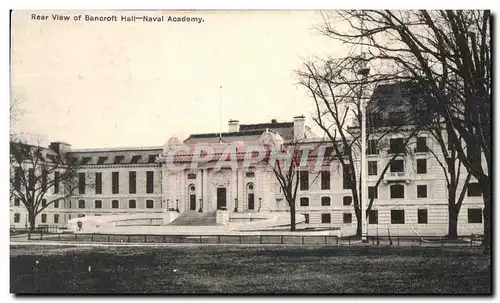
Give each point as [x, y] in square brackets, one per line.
[114, 84]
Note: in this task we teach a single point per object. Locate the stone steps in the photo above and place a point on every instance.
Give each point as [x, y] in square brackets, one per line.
[193, 218]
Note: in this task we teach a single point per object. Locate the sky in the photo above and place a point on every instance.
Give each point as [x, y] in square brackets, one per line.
[99, 84]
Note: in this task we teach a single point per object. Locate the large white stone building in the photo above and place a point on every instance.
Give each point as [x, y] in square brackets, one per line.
[411, 200]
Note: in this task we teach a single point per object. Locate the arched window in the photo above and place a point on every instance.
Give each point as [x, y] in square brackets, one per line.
[251, 196]
[192, 197]
[397, 191]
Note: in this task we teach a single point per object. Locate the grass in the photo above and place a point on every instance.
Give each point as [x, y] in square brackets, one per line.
[250, 269]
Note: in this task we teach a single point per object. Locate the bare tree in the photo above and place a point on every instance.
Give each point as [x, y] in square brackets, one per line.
[448, 53]
[338, 91]
[40, 177]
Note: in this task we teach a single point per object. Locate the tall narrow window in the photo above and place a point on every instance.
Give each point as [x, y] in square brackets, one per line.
[115, 204]
[81, 183]
[98, 204]
[347, 177]
[421, 166]
[397, 166]
[56, 182]
[115, 182]
[17, 178]
[421, 191]
[373, 216]
[372, 168]
[422, 216]
[325, 180]
[149, 204]
[149, 182]
[44, 202]
[372, 192]
[44, 180]
[17, 218]
[98, 183]
[81, 203]
[304, 180]
[131, 204]
[347, 218]
[56, 218]
[421, 145]
[17, 202]
[31, 178]
[306, 217]
[131, 182]
[56, 204]
[372, 147]
[44, 218]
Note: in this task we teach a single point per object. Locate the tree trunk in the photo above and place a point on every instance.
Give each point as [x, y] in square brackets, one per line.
[292, 217]
[485, 184]
[359, 223]
[32, 220]
[452, 219]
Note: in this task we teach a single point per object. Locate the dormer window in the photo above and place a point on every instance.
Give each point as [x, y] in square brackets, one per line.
[135, 159]
[118, 159]
[101, 160]
[85, 160]
[152, 159]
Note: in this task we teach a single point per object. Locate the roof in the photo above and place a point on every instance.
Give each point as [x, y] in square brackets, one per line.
[247, 132]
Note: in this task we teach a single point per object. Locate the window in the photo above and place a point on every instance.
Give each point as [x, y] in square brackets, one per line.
[44, 180]
[325, 201]
[131, 204]
[422, 216]
[115, 182]
[44, 202]
[347, 176]
[325, 218]
[17, 218]
[397, 216]
[397, 166]
[56, 182]
[149, 182]
[81, 203]
[69, 217]
[475, 215]
[98, 204]
[421, 166]
[306, 216]
[56, 204]
[81, 183]
[149, 203]
[17, 178]
[69, 203]
[191, 176]
[473, 190]
[373, 216]
[421, 191]
[325, 180]
[372, 147]
[31, 178]
[98, 183]
[44, 218]
[118, 159]
[101, 160]
[396, 146]
[56, 218]
[304, 180]
[346, 200]
[421, 145]
[372, 192]
[132, 182]
[115, 204]
[347, 218]
[372, 168]
[17, 202]
[397, 191]
[250, 174]
[152, 159]
[135, 159]
[304, 201]
[81, 215]
[328, 152]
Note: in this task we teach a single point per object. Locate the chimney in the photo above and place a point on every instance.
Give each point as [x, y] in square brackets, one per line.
[60, 147]
[299, 123]
[234, 126]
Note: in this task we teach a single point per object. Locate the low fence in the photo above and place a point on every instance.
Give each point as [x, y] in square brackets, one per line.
[259, 239]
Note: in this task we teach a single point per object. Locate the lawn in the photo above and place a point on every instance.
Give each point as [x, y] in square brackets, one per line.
[250, 269]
